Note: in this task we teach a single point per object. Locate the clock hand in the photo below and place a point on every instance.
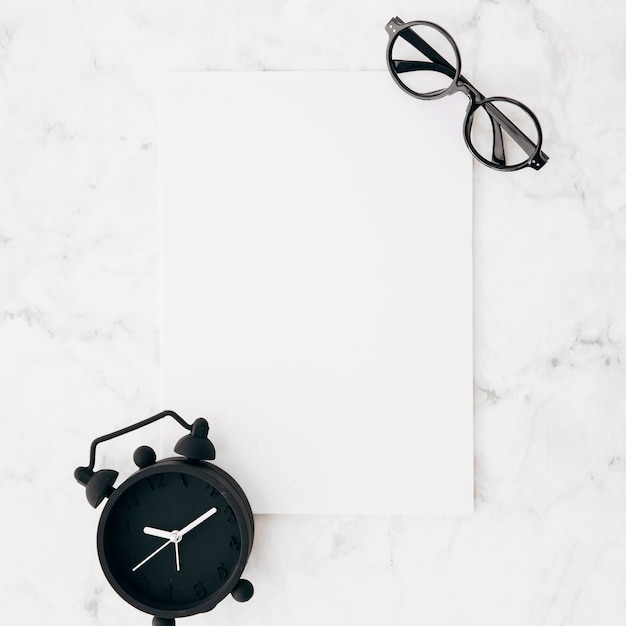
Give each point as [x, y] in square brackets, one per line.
[177, 556]
[157, 532]
[196, 522]
[167, 543]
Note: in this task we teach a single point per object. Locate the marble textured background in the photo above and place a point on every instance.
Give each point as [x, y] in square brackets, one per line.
[79, 318]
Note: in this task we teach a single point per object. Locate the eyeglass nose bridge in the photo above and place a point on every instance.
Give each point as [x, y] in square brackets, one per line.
[464, 86]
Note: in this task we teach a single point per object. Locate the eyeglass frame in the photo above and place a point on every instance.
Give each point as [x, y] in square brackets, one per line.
[536, 157]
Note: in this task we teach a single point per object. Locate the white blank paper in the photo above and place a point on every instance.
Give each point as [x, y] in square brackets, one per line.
[317, 287]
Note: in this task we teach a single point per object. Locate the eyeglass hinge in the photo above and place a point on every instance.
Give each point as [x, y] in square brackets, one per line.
[393, 25]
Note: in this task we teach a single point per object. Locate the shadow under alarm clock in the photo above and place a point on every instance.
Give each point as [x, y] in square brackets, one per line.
[174, 538]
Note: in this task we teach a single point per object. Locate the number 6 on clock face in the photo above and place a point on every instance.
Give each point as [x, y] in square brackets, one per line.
[173, 539]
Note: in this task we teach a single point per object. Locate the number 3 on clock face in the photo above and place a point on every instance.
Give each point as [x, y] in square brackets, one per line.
[174, 538]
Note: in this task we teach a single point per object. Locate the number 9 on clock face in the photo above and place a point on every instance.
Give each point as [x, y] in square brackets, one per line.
[173, 539]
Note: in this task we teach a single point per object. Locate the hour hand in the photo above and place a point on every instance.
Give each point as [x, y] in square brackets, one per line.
[157, 532]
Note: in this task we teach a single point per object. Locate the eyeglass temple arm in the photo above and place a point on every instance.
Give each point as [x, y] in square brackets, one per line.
[413, 66]
[522, 140]
[497, 150]
[417, 42]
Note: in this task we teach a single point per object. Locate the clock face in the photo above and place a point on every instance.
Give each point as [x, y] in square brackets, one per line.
[172, 540]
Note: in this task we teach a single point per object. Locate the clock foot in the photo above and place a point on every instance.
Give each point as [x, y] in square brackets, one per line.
[163, 621]
[243, 591]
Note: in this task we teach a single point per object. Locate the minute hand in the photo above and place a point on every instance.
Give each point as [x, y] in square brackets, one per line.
[196, 522]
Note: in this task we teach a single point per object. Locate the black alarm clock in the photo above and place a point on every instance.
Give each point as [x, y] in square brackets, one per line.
[174, 538]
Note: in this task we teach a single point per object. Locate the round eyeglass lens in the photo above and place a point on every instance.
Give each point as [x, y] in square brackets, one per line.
[502, 133]
[424, 61]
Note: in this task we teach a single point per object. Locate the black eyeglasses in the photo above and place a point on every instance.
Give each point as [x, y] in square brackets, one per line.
[428, 73]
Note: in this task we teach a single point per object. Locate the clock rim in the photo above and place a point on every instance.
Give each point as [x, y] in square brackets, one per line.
[232, 493]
